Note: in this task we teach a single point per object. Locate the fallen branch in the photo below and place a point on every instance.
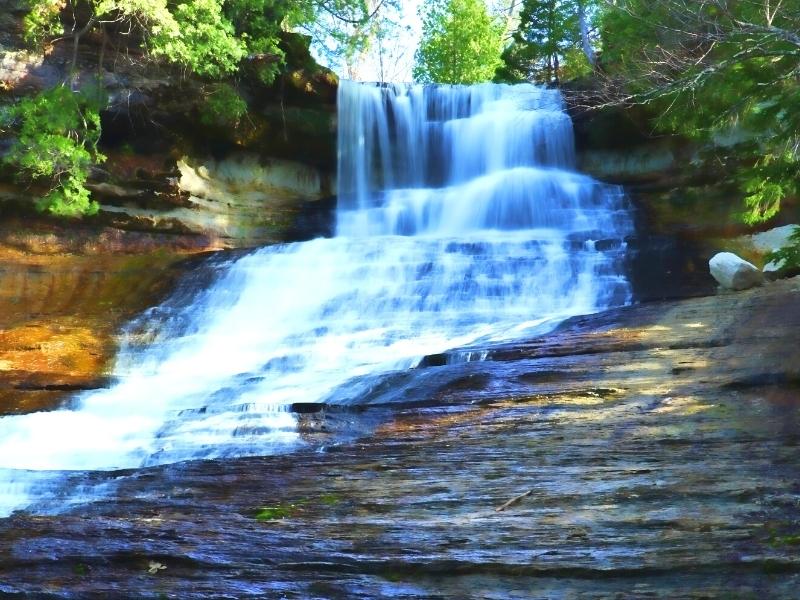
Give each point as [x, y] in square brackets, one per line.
[513, 501]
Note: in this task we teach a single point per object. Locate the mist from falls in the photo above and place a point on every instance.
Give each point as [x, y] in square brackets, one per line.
[460, 219]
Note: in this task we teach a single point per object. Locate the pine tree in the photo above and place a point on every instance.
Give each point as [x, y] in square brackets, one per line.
[549, 31]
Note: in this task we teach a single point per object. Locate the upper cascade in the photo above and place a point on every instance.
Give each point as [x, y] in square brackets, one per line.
[449, 160]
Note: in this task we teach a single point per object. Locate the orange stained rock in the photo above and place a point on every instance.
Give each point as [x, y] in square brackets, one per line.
[59, 317]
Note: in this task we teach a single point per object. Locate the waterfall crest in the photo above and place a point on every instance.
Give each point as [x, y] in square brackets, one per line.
[460, 218]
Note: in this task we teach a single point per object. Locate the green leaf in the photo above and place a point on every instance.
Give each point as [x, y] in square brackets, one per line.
[57, 135]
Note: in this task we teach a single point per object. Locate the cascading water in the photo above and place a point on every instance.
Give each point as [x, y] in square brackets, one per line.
[459, 219]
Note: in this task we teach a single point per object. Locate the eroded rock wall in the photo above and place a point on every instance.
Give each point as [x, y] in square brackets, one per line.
[687, 196]
[63, 297]
[174, 185]
[271, 165]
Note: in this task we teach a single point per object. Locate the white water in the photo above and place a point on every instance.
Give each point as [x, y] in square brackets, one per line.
[459, 219]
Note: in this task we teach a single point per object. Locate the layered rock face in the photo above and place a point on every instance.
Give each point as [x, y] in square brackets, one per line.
[173, 185]
[63, 297]
[240, 201]
[657, 445]
[687, 198]
[173, 169]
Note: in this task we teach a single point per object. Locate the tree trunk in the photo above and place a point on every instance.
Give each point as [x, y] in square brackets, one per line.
[76, 40]
[556, 67]
[584, 27]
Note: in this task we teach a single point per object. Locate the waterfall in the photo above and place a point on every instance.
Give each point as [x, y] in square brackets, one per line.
[460, 219]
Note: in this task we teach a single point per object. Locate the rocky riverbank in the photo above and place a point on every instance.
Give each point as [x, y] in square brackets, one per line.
[174, 185]
[656, 445]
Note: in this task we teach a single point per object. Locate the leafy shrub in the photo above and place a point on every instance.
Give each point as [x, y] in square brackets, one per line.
[57, 135]
[576, 65]
[790, 254]
[205, 42]
[222, 106]
[43, 21]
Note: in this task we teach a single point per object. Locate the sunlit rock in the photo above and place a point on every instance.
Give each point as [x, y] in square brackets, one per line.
[246, 180]
[61, 307]
[779, 269]
[240, 201]
[773, 239]
[734, 273]
[770, 241]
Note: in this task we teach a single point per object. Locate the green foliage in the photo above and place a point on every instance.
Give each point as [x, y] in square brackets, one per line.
[546, 46]
[280, 511]
[785, 540]
[547, 29]
[43, 21]
[151, 16]
[346, 29]
[258, 23]
[769, 181]
[223, 106]
[274, 513]
[788, 256]
[206, 43]
[330, 499]
[625, 34]
[57, 135]
[285, 510]
[575, 65]
[194, 33]
[207, 37]
[717, 70]
[460, 43]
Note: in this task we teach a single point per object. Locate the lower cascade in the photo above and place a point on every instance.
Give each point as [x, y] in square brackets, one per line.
[460, 220]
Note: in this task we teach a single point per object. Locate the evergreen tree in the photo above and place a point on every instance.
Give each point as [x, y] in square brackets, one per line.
[461, 43]
[548, 30]
[713, 70]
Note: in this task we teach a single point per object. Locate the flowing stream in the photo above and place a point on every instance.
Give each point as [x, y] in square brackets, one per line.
[460, 219]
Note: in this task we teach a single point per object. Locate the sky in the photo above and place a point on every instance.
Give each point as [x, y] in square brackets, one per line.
[398, 51]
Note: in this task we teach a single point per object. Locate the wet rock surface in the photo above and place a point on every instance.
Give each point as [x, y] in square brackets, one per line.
[62, 305]
[659, 443]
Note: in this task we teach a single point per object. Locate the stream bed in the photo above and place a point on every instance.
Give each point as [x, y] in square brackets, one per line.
[658, 442]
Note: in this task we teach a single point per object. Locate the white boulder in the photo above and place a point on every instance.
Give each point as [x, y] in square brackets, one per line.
[734, 273]
[774, 239]
[774, 269]
[770, 241]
